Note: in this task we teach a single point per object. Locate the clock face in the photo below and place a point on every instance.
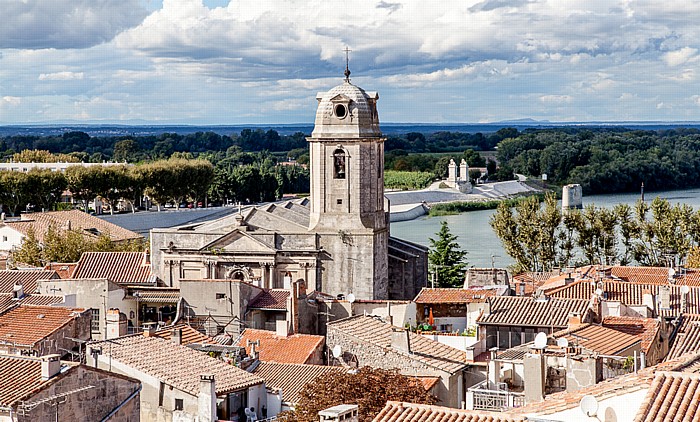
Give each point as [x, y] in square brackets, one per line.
[340, 111]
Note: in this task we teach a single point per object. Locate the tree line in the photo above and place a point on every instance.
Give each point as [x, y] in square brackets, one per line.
[607, 160]
[541, 237]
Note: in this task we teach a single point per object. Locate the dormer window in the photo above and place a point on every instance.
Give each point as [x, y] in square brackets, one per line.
[341, 111]
[339, 164]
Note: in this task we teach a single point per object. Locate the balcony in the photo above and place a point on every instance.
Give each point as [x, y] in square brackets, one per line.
[493, 397]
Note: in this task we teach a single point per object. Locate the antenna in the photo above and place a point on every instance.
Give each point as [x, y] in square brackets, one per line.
[563, 342]
[589, 405]
[337, 351]
[540, 341]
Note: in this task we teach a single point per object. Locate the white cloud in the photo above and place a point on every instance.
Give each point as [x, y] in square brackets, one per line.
[15, 101]
[679, 57]
[556, 99]
[61, 76]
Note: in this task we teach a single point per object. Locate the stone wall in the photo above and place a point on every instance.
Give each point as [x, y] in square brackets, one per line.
[109, 391]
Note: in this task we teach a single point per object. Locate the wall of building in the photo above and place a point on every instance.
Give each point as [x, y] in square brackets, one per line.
[9, 238]
[93, 404]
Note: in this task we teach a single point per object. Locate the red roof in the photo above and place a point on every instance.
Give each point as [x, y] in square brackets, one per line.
[189, 334]
[446, 295]
[672, 396]
[7, 301]
[411, 412]
[64, 270]
[645, 329]
[20, 376]
[27, 278]
[119, 267]
[687, 338]
[28, 324]
[295, 348]
[271, 299]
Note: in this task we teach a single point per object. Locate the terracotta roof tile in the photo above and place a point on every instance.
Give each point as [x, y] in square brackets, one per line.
[687, 338]
[119, 267]
[295, 348]
[28, 279]
[28, 324]
[64, 270]
[161, 294]
[632, 294]
[189, 334]
[672, 396]
[596, 338]
[271, 299]
[445, 295]
[178, 366]
[20, 376]
[411, 412]
[656, 275]
[292, 377]
[7, 302]
[526, 311]
[87, 224]
[373, 331]
[645, 329]
[428, 382]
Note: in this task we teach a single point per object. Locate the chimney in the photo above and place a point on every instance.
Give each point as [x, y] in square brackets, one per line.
[574, 320]
[648, 300]
[522, 289]
[176, 336]
[116, 323]
[400, 340]
[281, 328]
[149, 332]
[17, 291]
[207, 399]
[147, 256]
[534, 376]
[389, 317]
[342, 412]
[50, 366]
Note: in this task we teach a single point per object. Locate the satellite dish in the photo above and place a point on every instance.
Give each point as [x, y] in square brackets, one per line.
[337, 351]
[540, 341]
[599, 292]
[351, 298]
[685, 289]
[671, 272]
[563, 342]
[589, 405]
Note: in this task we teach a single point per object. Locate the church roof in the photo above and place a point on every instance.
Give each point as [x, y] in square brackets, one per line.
[358, 118]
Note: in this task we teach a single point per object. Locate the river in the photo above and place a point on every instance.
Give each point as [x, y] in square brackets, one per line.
[474, 234]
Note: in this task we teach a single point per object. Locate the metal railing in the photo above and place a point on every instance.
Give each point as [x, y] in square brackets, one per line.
[495, 399]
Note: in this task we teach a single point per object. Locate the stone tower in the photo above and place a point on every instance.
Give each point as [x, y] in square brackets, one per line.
[347, 192]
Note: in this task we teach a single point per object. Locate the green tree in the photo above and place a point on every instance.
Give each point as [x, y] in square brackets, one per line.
[369, 388]
[29, 252]
[447, 258]
[16, 190]
[48, 187]
[473, 158]
[126, 151]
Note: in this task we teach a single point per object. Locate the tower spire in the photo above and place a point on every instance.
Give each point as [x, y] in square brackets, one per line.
[347, 64]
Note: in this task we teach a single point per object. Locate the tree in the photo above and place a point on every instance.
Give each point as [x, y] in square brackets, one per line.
[49, 186]
[126, 151]
[369, 388]
[42, 156]
[30, 252]
[473, 158]
[447, 258]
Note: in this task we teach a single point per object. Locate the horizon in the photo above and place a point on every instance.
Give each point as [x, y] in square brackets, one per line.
[222, 63]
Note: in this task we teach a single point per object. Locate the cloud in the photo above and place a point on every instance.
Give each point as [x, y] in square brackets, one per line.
[556, 99]
[679, 57]
[37, 24]
[14, 101]
[391, 6]
[61, 76]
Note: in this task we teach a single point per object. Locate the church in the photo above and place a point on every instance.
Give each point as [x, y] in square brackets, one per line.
[336, 241]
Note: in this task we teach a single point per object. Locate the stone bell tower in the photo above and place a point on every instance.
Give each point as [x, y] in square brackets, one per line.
[347, 192]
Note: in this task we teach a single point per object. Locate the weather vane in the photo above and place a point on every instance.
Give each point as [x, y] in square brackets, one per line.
[347, 64]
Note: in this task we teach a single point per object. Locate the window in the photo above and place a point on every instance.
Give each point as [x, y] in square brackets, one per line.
[4, 238]
[339, 202]
[179, 405]
[95, 323]
[220, 296]
[339, 164]
[341, 111]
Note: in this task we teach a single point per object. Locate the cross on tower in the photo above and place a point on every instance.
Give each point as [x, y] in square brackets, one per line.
[347, 64]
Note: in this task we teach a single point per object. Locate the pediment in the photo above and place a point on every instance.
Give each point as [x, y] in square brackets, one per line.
[340, 98]
[238, 241]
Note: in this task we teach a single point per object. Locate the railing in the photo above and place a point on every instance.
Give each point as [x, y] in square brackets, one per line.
[498, 399]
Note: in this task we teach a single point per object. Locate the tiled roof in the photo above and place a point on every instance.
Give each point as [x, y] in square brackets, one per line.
[291, 377]
[444, 295]
[656, 275]
[672, 396]
[7, 302]
[119, 267]
[596, 338]
[64, 270]
[295, 348]
[189, 334]
[27, 278]
[373, 331]
[87, 224]
[645, 329]
[28, 324]
[428, 382]
[178, 366]
[411, 412]
[20, 376]
[687, 338]
[526, 311]
[165, 295]
[632, 294]
[271, 299]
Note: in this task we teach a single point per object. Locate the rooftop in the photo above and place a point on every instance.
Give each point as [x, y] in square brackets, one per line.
[526, 311]
[596, 338]
[119, 267]
[291, 378]
[374, 331]
[646, 329]
[672, 396]
[687, 338]
[27, 278]
[295, 348]
[20, 377]
[271, 299]
[26, 325]
[411, 412]
[8, 302]
[453, 296]
[189, 334]
[177, 366]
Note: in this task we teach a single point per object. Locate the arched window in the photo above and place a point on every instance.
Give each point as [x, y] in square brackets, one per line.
[339, 164]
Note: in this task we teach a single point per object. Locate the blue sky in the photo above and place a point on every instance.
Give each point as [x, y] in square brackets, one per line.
[263, 61]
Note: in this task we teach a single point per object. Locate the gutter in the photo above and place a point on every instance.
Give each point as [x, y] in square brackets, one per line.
[122, 404]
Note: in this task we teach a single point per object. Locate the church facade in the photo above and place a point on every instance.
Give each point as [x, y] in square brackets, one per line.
[337, 241]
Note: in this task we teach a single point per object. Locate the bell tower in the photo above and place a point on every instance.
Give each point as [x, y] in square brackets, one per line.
[347, 191]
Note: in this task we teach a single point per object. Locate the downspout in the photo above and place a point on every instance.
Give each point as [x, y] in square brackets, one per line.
[122, 404]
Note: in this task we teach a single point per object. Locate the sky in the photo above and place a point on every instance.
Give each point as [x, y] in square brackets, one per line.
[221, 62]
